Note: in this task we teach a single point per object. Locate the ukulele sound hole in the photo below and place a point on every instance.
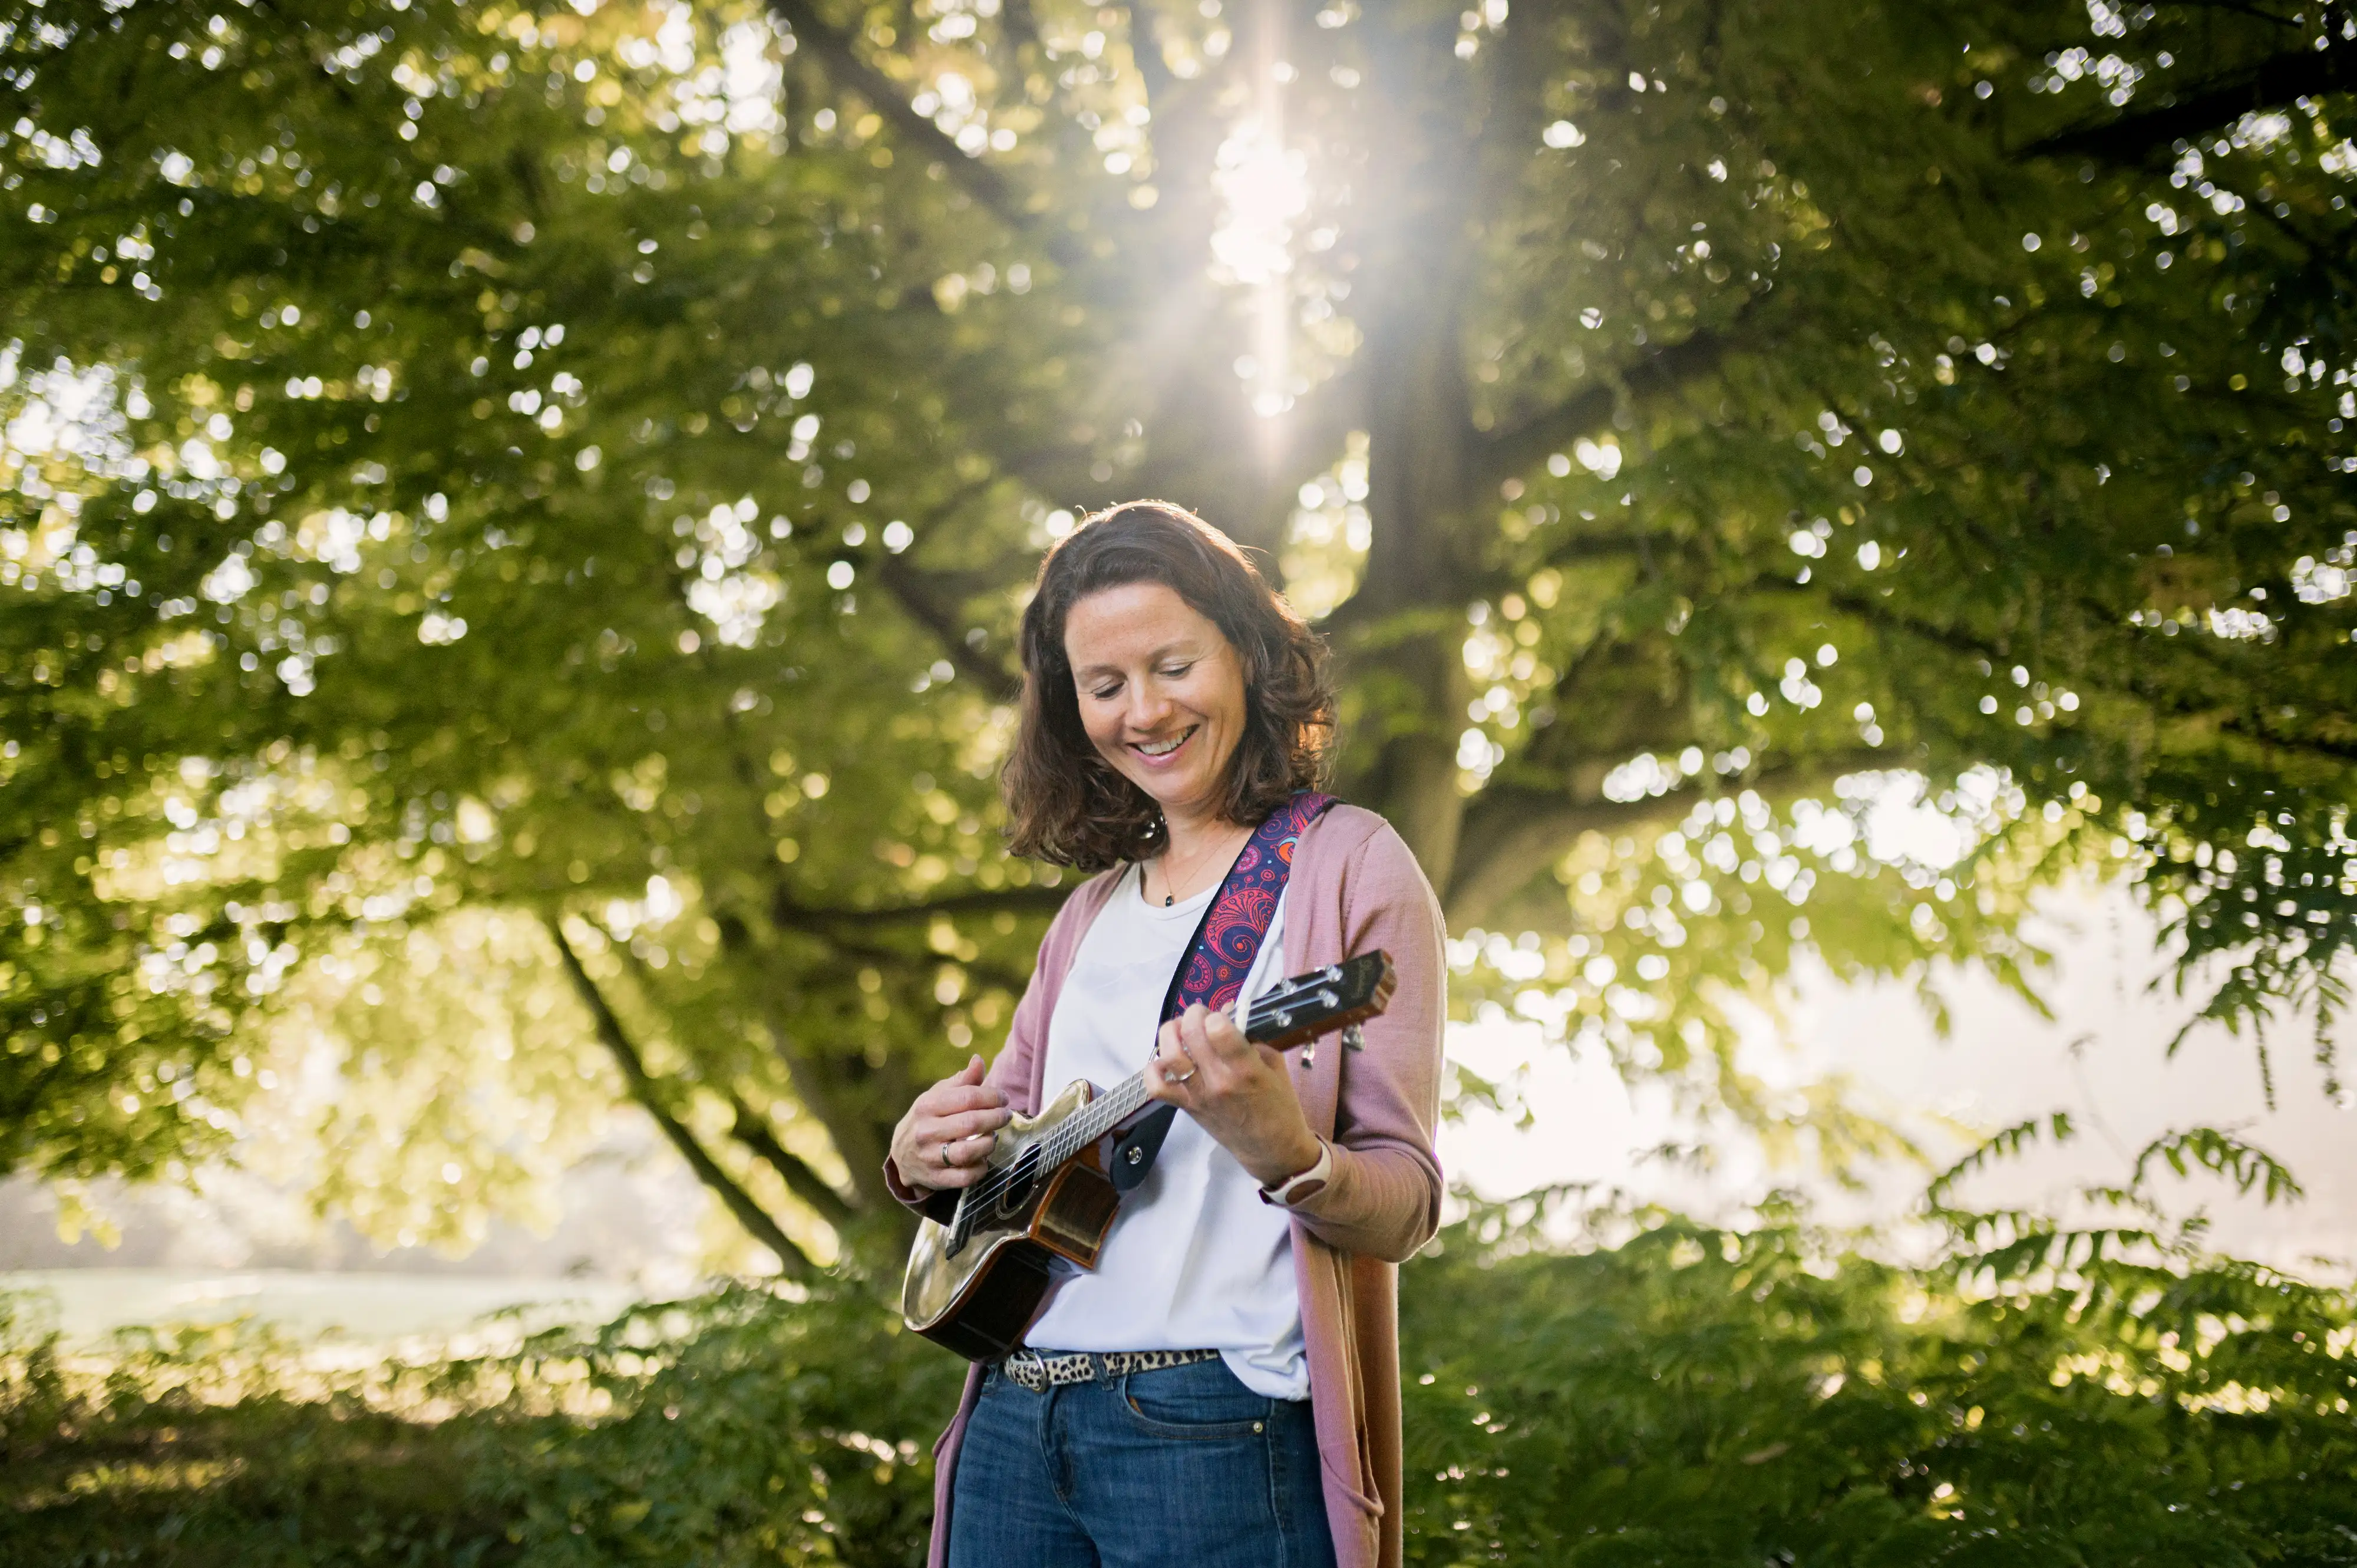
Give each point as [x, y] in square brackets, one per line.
[1021, 1181]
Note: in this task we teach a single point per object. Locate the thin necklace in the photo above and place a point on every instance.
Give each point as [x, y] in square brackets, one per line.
[1169, 885]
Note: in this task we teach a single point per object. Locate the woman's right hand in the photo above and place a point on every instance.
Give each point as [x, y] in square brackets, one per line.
[944, 1140]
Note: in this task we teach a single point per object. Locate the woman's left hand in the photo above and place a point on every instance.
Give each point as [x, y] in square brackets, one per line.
[1241, 1092]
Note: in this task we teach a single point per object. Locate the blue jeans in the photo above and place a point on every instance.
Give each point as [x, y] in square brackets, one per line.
[1180, 1465]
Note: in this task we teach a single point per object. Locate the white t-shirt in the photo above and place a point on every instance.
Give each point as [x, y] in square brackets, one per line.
[1195, 1260]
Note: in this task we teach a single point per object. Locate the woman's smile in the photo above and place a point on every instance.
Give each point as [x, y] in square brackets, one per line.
[1156, 751]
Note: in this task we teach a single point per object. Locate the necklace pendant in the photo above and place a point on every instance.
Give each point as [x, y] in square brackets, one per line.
[1165, 900]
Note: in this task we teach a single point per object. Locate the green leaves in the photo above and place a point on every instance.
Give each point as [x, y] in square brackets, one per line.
[1690, 1394]
[736, 1428]
[2220, 1153]
[478, 443]
[563, 454]
[1697, 1394]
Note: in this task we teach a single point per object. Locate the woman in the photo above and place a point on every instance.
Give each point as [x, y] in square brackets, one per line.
[1173, 703]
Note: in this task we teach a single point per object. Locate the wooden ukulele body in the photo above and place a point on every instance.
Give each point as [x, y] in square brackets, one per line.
[979, 1301]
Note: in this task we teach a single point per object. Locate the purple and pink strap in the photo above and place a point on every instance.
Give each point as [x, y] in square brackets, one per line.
[1220, 958]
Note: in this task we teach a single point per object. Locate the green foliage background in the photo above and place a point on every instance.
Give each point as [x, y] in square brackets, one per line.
[1690, 1395]
[510, 519]
[528, 501]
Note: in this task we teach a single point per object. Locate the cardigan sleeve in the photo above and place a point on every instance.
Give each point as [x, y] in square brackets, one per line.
[1383, 1197]
[1027, 1037]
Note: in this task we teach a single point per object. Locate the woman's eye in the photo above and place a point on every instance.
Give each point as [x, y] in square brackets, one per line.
[1175, 671]
[1108, 694]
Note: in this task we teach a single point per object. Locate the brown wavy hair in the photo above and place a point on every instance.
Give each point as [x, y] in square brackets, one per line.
[1068, 805]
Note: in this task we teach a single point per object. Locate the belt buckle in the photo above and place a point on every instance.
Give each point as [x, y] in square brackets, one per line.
[1026, 1368]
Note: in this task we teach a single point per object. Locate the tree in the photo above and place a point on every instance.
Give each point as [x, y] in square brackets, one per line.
[582, 464]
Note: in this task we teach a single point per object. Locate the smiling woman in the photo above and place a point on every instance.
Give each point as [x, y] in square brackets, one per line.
[1225, 1382]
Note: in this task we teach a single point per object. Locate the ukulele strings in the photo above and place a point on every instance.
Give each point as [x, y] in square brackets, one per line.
[1054, 1149]
[1065, 1142]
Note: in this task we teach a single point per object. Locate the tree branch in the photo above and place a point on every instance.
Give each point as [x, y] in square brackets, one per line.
[787, 914]
[752, 1130]
[833, 49]
[2137, 138]
[821, 1093]
[1514, 71]
[757, 1220]
[919, 595]
[2135, 686]
[1212, 455]
[1580, 549]
[1514, 834]
[1505, 454]
[2239, 9]
[1145, 52]
[1511, 835]
[1018, 26]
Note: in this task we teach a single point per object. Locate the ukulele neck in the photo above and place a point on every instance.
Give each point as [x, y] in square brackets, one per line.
[1097, 1118]
[1124, 1099]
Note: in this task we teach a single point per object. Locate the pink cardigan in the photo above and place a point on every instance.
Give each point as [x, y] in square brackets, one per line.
[1355, 886]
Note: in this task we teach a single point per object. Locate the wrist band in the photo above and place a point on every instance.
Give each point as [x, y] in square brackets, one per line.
[1306, 1184]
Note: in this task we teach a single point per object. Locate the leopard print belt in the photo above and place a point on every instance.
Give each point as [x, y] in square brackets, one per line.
[1040, 1371]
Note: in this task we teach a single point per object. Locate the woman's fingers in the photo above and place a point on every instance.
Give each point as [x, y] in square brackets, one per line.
[966, 1124]
[1213, 1034]
[960, 1159]
[1224, 1037]
[944, 1140]
[967, 1163]
[1239, 1091]
[949, 1097]
[1166, 1079]
[1217, 1047]
[1201, 1058]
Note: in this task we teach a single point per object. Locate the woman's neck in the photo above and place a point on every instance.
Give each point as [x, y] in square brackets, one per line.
[1194, 851]
[1189, 836]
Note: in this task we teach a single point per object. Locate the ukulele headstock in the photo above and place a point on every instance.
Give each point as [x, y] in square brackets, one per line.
[1322, 1001]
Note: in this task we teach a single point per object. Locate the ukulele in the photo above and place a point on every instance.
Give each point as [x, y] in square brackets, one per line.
[1043, 1209]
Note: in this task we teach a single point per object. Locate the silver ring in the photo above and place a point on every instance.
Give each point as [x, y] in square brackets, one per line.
[945, 1155]
[1193, 1067]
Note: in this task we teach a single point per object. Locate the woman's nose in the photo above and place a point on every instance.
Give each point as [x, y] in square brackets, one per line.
[1147, 707]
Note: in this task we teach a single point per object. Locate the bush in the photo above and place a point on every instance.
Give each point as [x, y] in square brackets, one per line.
[1692, 1396]
[738, 1428]
[1704, 1396]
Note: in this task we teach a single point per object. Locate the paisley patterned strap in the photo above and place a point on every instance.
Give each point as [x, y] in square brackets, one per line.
[1228, 942]
[1221, 956]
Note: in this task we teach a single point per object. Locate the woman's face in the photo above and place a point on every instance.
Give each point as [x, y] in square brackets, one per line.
[1161, 693]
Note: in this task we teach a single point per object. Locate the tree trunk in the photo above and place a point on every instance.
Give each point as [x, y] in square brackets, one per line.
[1404, 631]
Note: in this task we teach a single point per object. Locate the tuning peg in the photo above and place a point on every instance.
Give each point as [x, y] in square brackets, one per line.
[1353, 1040]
